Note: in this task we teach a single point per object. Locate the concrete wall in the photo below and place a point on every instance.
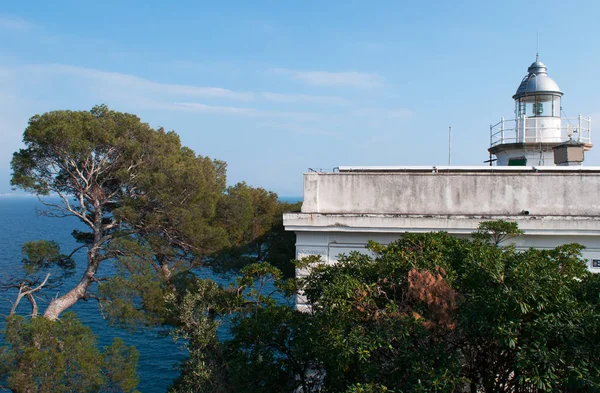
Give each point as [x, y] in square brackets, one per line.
[343, 210]
[573, 193]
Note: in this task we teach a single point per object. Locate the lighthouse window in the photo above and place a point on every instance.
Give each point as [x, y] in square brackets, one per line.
[556, 106]
[539, 105]
[519, 161]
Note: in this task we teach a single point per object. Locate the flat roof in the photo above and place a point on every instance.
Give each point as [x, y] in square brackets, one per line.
[480, 168]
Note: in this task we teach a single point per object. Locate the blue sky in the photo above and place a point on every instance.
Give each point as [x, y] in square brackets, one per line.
[276, 87]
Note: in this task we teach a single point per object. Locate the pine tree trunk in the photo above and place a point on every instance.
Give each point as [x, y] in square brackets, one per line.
[59, 305]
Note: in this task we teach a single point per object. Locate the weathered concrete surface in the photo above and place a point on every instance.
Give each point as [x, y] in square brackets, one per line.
[453, 224]
[540, 193]
[342, 211]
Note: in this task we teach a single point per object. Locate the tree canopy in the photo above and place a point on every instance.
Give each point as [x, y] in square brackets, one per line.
[150, 206]
[128, 183]
[426, 313]
[62, 356]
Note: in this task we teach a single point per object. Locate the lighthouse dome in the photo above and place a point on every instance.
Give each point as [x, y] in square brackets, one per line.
[536, 82]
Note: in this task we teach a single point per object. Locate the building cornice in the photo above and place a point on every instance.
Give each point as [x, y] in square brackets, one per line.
[454, 224]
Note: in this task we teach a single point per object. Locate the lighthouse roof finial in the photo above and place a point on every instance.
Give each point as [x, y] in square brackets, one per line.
[537, 46]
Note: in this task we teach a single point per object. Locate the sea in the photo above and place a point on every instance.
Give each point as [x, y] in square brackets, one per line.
[21, 221]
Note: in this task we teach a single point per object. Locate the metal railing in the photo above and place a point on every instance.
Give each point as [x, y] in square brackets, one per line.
[536, 130]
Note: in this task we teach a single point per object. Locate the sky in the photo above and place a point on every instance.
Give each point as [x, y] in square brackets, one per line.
[277, 87]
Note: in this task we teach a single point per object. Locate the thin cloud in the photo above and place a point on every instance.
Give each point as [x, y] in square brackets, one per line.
[130, 82]
[218, 109]
[305, 98]
[236, 111]
[12, 22]
[400, 113]
[326, 78]
[304, 130]
[127, 81]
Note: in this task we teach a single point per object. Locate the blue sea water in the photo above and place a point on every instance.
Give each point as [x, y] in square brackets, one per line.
[290, 199]
[20, 222]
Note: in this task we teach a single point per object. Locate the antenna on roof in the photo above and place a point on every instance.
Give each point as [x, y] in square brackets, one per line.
[537, 46]
[449, 146]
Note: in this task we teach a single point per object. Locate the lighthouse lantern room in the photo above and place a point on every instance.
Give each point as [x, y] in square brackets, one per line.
[538, 128]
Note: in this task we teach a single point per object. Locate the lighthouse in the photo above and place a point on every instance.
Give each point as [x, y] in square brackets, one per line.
[538, 135]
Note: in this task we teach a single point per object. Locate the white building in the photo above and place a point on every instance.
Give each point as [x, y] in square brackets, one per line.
[554, 205]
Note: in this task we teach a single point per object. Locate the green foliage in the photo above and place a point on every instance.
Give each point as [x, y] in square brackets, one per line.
[140, 193]
[253, 219]
[386, 319]
[133, 297]
[255, 358]
[442, 311]
[42, 255]
[271, 351]
[152, 206]
[119, 367]
[527, 325]
[138, 289]
[45, 356]
[426, 313]
[236, 212]
[198, 313]
[280, 245]
[157, 211]
[77, 137]
[368, 388]
[497, 231]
